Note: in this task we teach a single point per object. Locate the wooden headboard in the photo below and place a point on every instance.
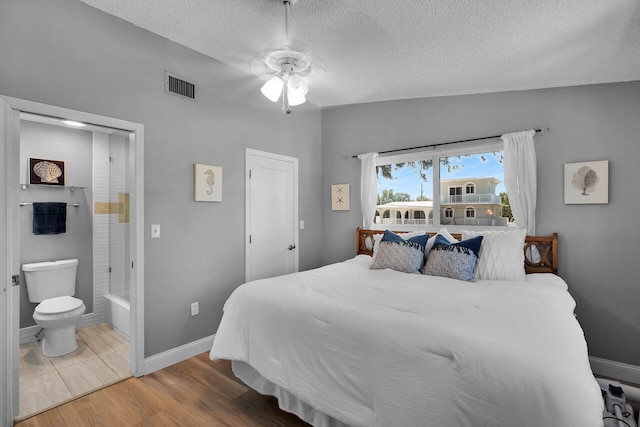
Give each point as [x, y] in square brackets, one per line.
[547, 247]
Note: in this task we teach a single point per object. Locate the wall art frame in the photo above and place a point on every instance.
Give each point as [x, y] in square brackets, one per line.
[207, 183]
[340, 197]
[46, 172]
[586, 182]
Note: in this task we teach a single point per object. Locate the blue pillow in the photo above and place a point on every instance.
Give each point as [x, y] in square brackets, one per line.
[399, 254]
[390, 236]
[454, 260]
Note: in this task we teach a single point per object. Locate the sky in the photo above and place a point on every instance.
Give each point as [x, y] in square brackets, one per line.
[407, 181]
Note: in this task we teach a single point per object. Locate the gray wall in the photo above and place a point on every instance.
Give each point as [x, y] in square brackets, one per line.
[598, 243]
[67, 54]
[75, 148]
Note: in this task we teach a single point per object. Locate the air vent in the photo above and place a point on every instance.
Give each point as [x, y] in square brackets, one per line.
[179, 86]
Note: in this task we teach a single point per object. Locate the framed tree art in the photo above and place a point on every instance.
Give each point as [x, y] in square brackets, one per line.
[586, 182]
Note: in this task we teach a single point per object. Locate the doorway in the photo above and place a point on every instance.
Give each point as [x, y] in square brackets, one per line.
[128, 139]
[271, 215]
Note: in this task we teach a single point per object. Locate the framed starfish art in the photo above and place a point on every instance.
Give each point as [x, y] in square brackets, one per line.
[340, 197]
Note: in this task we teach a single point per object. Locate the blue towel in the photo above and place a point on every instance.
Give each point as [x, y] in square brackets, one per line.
[49, 218]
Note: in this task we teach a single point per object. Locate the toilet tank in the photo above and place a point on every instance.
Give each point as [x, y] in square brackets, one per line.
[50, 279]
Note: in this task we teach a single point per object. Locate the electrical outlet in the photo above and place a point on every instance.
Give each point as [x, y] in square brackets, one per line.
[194, 309]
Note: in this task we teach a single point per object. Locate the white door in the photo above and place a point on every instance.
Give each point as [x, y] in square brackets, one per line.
[5, 405]
[271, 215]
[10, 264]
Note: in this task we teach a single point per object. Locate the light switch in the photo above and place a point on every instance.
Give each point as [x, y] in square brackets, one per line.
[301, 224]
[155, 230]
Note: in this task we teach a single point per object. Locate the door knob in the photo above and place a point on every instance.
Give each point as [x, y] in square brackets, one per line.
[291, 247]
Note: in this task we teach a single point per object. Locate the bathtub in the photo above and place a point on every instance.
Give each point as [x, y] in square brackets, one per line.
[118, 314]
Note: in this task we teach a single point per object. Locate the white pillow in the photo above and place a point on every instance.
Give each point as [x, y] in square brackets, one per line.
[501, 254]
[378, 237]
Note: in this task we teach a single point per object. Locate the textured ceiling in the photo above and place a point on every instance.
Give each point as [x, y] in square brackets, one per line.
[377, 50]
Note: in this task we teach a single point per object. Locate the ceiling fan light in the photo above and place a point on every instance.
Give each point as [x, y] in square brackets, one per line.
[296, 99]
[291, 62]
[297, 86]
[273, 88]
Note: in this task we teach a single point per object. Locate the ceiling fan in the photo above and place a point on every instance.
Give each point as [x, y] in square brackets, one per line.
[286, 66]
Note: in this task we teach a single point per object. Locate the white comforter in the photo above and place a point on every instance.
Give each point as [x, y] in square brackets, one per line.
[383, 348]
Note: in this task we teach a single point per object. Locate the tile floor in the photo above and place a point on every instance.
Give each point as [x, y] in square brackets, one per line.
[102, 358]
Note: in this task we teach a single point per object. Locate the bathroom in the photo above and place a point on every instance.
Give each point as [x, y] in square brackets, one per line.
[93, 182]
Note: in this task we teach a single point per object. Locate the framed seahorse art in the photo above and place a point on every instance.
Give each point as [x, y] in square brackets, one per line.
[207, 183]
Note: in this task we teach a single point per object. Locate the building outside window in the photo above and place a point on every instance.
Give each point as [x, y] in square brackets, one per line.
[466, 189]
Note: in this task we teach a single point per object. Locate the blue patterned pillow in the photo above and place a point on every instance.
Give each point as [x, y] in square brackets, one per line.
[400, 254]
[454, 260]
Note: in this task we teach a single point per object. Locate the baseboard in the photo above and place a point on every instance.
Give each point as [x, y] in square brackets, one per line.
[616, 370]
[90, 320]
[178, 354]
[28, 334]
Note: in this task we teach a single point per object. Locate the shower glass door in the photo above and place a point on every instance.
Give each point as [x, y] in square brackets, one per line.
[119, 256]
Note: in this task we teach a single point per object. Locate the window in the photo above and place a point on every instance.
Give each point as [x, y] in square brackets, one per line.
[405, 189]
[466, 187]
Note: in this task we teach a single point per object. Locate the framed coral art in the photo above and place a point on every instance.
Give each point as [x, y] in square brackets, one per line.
[47, 172]
[586, 182]
[207, 183]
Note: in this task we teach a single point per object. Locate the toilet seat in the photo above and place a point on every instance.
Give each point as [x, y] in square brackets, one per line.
[58, 305]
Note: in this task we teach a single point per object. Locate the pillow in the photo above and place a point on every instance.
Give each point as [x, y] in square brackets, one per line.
[376, 244]
[453, 260]
[377, 238]
[399, 254]
[444, 233]
[501, 254]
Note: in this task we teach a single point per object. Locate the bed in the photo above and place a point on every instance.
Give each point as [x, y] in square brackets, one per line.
[348, 345]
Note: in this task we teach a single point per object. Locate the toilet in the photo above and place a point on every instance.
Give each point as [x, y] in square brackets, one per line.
[52, 285]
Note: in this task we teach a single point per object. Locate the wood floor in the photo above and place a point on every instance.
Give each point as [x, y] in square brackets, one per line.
[195, 392]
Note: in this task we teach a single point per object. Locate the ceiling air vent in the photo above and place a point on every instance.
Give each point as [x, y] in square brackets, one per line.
[178, 86]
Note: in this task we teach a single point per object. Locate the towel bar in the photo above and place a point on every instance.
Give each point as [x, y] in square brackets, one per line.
[75, 205]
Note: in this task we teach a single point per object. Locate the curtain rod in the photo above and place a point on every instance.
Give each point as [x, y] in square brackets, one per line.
[541, 130]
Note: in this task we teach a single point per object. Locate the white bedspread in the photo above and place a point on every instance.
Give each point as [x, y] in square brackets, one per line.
[382, 348]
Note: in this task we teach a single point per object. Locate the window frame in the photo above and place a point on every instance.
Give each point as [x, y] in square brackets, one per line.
[448, 210]
[436, 153]
[469, 209]
[469, 185]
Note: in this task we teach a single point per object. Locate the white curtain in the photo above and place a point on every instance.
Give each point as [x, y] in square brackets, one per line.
[520, 177]
[368, 188]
